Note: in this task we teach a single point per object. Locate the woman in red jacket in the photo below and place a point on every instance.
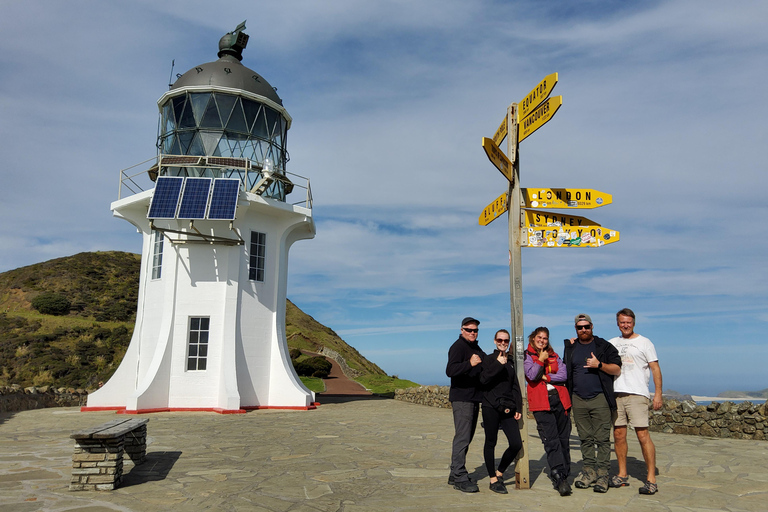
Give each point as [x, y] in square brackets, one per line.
[548, 399]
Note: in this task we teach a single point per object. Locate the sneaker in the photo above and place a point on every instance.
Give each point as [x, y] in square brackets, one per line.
[466, 486]
[649, 488]
[618, 481]
[601, 484]
[499, 487]
[452, 481]
[586, 478]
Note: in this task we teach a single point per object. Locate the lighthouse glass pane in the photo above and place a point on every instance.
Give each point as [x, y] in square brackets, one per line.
[165, 198]
[225, 102]
[194, 199]
[197, 346]
[257, 257]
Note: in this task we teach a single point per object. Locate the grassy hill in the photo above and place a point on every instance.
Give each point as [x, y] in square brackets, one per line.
[86, 344]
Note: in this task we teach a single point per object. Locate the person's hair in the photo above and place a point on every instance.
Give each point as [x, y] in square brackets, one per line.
[505, 332]
[537, 331]
[625, 312]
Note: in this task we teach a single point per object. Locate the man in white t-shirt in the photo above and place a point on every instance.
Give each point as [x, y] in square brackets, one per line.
[638, 363]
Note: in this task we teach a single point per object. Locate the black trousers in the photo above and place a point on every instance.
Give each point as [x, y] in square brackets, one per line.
[492, 420]
[554, 428]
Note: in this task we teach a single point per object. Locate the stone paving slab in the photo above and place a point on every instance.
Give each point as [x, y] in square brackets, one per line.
[354, 455]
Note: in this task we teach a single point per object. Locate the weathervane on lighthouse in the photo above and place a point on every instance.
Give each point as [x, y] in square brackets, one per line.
[216, 227]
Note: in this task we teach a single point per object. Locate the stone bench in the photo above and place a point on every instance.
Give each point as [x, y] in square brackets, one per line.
[97, 464]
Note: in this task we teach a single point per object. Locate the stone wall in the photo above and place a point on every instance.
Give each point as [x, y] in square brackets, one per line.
[349, 372]
[727, 419]
[744, 420]
[434, 396]
[15, 398]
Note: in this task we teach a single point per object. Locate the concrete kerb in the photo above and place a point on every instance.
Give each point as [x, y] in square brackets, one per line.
[353, 455]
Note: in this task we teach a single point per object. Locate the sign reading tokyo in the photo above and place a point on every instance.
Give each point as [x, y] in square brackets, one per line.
[498, 158]
[561, 236]
[565, 198]
[539, 117]
[539, 93]
[493, 210]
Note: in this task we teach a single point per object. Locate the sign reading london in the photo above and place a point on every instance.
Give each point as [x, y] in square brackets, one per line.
[539, 117]
[498, 158]
[564, 198]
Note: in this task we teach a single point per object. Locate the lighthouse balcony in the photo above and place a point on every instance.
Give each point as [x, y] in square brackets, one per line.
[258, 179]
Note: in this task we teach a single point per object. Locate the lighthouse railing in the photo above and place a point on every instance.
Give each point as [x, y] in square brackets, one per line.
[133, 182]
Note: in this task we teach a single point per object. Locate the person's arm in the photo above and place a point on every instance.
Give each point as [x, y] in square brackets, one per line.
[533, 368]
[456, 364]
[656, 372]
[491, 367]
[605, 366]
[560, 375]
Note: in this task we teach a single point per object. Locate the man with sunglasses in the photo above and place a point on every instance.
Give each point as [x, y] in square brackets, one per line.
[464, 358]
[592, 363]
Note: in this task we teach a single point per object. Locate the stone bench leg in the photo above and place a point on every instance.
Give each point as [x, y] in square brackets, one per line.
[97, 464]
[136, 445]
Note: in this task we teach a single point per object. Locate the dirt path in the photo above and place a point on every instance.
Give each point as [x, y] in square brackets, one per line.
[338, 384]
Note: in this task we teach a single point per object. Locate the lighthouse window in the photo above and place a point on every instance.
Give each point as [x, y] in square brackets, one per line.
[197, 354]
[258, 252]
[157, 255]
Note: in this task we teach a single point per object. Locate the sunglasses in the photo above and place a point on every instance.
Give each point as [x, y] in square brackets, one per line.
[583, 327]
[469, 330]
[500, 340]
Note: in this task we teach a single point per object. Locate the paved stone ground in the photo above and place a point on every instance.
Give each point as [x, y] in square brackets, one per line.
[351, 454]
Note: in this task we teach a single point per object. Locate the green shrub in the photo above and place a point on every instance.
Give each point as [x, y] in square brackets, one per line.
[51, 304]
[294, 353]
[313, 367]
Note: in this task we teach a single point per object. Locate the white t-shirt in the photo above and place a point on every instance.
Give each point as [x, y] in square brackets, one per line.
[635, 354]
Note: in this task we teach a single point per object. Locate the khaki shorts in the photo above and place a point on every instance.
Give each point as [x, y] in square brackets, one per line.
[632, 410]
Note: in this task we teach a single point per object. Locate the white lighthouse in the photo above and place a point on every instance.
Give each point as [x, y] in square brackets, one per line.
[218, 213]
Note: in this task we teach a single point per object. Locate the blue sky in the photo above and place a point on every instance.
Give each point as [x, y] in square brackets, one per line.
[663, 107]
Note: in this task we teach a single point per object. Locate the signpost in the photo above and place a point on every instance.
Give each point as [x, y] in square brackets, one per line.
[565, 198]
[493, 210]
[498, 158]
[539, 117]
[539, 93]
[531, 227]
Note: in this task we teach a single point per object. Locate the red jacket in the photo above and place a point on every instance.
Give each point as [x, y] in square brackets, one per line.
[538, 396]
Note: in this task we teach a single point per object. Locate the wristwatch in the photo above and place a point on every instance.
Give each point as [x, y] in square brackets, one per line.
[599, 365]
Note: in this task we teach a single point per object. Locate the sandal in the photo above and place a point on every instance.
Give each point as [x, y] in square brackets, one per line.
[649, 488]
[618, 481]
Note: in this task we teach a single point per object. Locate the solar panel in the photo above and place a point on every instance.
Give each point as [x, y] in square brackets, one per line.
[224, 199]
[194, 199]
[165, 197]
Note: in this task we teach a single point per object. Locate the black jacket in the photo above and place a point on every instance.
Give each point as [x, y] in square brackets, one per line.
[501, 390]
[605, 353]
[465, 378]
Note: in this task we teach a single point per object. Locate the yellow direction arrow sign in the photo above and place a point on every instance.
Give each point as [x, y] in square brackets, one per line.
[498, 158]
[565, 198]
[537, 95]
[501, 132]
[539, 117]
[493, 210]
[583, 236]
[552, 219]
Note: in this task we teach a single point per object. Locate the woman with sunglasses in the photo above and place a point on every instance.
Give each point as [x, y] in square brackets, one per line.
[545, 375]
[501, 406]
